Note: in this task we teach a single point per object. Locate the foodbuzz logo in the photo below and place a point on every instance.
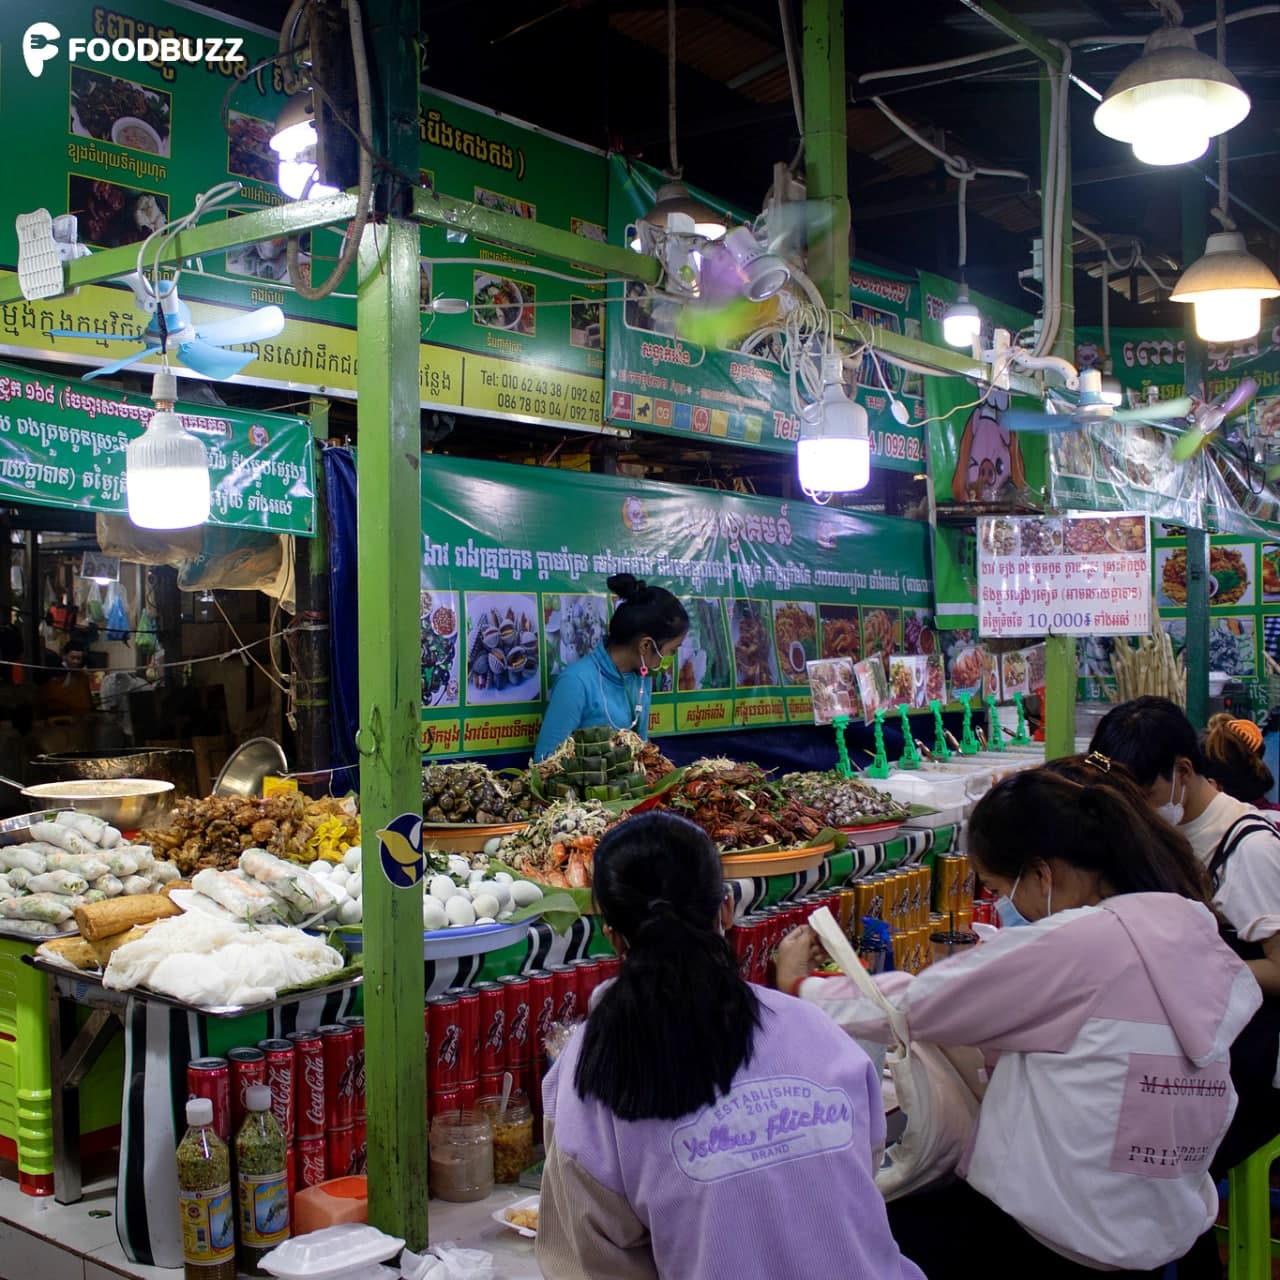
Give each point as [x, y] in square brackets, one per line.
[40, 44]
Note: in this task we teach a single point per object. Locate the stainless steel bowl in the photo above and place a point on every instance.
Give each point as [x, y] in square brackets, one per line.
[244, 771]
[127, 803]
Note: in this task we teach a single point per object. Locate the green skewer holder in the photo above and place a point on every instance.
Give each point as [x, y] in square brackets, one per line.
[995, 735]
[968, 743]
[910, 756]
[879, 766]
[940, 749]
[840, 724]
[1022, 737]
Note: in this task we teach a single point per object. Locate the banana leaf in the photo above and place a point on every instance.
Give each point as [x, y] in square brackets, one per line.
[537, 789]
[558, 916]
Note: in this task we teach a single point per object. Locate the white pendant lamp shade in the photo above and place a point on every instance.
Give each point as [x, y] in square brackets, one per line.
[962, 322]
[167, 468]
[1169, 103]
[1226, 286]
[676, 198]
[834, 451]
[294, 141]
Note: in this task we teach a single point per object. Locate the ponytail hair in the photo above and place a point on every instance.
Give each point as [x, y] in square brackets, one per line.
[644, 611]
[1232, 752]
[1086, 813]
[669, 1034]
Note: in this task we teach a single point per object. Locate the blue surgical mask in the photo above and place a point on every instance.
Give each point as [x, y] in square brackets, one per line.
[1009, 915]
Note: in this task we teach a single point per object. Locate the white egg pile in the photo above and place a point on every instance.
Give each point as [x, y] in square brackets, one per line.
[461, 896]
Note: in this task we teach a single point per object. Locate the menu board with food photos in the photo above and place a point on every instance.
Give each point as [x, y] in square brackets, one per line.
[1084, 574]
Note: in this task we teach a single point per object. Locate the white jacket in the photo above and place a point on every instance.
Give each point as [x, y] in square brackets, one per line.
[1110, 1029]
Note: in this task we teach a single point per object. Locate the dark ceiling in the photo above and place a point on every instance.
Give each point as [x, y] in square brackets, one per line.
[595, 70]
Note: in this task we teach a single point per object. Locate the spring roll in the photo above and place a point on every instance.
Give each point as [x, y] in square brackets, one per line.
[109, 885]
[84, 824]
[109, 838]
[243, 898]
[16, 857]
[30, 928]
[57, 882]
[49, 907]
[165, 872]
[136, 884]
[120, 862]
[64, 838]
[90, 868]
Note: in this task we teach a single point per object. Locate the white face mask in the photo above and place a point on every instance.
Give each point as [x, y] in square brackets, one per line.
[1173, 811]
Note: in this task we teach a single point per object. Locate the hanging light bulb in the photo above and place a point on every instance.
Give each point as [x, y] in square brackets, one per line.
[1226, 286]
[1171, 101]
[675, 197]
[962, 322]
[834, 451]
[294, 141]
[763, 273]
[166, 468]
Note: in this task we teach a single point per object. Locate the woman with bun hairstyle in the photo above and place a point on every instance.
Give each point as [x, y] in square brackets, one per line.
[698, 1127]
[1232, 754]
[613, 684]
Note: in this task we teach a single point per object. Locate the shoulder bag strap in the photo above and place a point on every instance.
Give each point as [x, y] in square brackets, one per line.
[838, 947]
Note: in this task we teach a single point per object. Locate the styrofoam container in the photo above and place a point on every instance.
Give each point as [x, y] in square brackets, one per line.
[500, 1216]
[334, 1253]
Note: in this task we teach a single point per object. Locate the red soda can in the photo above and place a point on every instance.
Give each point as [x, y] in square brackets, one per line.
[493, 1028]
[360, 1157]
[340, 1145]
[339, 1076]
[589, 978]
[542, 1008]
[610, 966]
[490, 1085]
[515, 997]
[308, 1079]
[311, 1158]
[211, 1078]
[444, 1038]
[248, 1067]
[442, 1101]
[469, 1023]
[469, 1094]
[564, 992]
[744, 950]
[764, 952]
[280, 1080]
[357, 1030]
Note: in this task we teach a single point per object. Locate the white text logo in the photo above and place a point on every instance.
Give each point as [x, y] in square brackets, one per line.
[38, 46]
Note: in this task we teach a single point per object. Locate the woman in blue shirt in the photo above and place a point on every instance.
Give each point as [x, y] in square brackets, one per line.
[613, 684]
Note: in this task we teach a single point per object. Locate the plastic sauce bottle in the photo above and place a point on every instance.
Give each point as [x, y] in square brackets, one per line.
[263, 1181]
[204, 1198]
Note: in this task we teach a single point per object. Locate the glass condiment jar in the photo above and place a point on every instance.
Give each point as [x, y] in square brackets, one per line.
[461, 1151]
[204, 1198]
[512, 1135]
[262, 1165]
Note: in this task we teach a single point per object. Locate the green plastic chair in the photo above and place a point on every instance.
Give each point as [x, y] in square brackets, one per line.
[1250, 1247]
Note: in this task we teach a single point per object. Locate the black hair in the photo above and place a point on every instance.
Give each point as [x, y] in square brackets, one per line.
[1237, 767]
[1147, 735]
[644, 611]
[677, 1024]
[1098, 824]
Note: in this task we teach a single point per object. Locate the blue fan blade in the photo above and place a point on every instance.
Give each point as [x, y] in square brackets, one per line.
[96, 337]
[108, 369]
[213, 362]
[1029, 420]
[252, 326]
[1164, 410]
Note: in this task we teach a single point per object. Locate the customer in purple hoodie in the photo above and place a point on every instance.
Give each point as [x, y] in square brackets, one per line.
[700, 1128]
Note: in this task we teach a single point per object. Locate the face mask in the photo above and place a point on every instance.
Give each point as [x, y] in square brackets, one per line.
[1010, 916]
[660, 663]
[1173, 811]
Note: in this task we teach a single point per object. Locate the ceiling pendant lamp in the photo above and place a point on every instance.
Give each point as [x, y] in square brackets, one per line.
[833, 454]
[1226, 287]
[166, 468]
[962, 321]
[1170, 102]
[676, 198]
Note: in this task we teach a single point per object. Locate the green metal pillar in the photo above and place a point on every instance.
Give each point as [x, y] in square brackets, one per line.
[390, 537]
[826, 153]
[1060, 651]
[1194, 229]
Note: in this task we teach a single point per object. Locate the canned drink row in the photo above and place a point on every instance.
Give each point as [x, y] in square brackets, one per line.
[757, 936]
[901, 898]
[956, 884]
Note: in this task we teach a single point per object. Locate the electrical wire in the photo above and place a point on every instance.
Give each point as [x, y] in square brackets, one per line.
[1093, 43]
[947, 64]
[671, 88]
[793, 71]
[244, 648]
[1222, 210]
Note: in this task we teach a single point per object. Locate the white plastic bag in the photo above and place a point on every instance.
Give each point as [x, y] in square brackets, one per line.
[444, 1262]
[939, 1105]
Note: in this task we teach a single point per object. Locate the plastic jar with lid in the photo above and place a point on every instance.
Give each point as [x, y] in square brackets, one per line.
[512, 1135]
[461, 1152]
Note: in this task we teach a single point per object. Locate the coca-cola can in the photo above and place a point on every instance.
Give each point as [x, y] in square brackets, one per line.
[280, 1080]
[493, 1028]
[248, 1067]
[357, 1030]
[490, 1085]
[564, 992]
[339, 1076]
[610, 967]
[469, 1021]
[542, 1008]
[360, 1155]
[340, 1145]
[764, 951]
[469, 1094]
[211, 1078]
[589, 978]
[308, 1079]
[311, 1159]
[444, 1042]
[742, 938]
[515, 998]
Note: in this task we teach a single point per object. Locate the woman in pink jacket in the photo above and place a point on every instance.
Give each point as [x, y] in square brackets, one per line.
[1106, 1023]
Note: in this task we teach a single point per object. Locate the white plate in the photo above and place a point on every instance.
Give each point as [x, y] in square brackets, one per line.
[500, 1216]
[460, 941]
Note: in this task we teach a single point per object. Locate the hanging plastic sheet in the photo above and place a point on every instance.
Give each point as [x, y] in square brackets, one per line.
[344, 640]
